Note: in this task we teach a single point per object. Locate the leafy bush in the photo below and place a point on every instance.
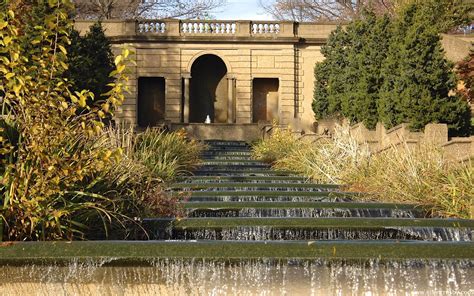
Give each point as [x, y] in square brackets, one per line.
[63, 176]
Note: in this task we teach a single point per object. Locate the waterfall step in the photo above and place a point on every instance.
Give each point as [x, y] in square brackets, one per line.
[267, 193]
[233, 198]
[215, 172]
[310, 223]
[260, 198]
[145, 252]
[246, 179]
[260, 186]
[227, 153]
[226, 143]
[234, 163]
[288, 205]
[242, 158]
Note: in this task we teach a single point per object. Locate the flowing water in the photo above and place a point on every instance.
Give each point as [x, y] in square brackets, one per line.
[232, 186]
[245, 277]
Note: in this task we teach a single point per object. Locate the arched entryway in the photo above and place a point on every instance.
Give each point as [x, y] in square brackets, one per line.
[208, 90]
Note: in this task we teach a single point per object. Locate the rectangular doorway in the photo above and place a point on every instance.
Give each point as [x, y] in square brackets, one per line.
[151, 101]
[265, 99]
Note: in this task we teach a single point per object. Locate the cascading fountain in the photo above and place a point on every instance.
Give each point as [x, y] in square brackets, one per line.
[250, 230]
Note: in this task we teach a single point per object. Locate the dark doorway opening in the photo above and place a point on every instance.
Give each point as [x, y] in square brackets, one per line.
[208, 90]
[151, 101]
[265, 99]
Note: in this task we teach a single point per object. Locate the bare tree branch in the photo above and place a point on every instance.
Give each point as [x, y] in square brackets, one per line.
[323, 10]
[132, 9]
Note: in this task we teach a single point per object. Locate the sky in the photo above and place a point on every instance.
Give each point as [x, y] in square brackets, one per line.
[242, 10]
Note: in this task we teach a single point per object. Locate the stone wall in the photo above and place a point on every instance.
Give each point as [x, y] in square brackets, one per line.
[286, 51]
[381, 139]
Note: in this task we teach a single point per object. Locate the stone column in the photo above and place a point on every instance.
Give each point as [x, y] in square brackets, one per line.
[186, 78]
[231, 99]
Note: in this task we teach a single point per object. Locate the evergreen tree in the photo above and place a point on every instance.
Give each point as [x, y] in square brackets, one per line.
[328, 81]
[417, 76]
[370, 40]
[348, 80]
[90, 61]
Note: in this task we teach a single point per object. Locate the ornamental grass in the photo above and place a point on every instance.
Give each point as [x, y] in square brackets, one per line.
[419, 175]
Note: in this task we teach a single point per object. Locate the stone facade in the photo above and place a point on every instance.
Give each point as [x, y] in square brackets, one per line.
[268, 70]
[236, 72]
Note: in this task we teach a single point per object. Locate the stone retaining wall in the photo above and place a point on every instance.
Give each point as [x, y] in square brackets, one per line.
[380, 139]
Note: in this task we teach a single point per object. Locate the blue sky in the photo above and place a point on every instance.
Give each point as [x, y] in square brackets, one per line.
[242, 10]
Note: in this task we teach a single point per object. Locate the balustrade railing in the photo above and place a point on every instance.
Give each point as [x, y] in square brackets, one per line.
[158, 27]
[260, 28]
[222, 28]
[197, 27]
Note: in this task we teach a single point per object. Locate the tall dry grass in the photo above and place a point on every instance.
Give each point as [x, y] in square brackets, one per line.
[419, 175]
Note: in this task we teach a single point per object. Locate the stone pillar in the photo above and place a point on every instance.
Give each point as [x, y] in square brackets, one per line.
[186, 78]
[231, 99]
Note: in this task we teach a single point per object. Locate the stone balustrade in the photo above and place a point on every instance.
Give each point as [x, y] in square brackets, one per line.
[205, 27]
[151, 27]
[265, 28]
[261, 30]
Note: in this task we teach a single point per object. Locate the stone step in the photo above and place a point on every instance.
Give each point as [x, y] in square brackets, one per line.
[262, 198]
[247, 163]
[240, 172]
[313, 223]
[221, 149]
[332, 228]
[239, 186]
[270, 193]
[301, 209]
[227, 152]
[228, 158]
[246, 179]
[295, 212]
[143, 253]
[314, 205]
[213, 143]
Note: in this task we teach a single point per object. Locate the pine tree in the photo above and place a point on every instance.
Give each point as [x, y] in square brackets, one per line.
[418, 78]
[370, 40]
[329, 82]
[348, 81]
[90, 61]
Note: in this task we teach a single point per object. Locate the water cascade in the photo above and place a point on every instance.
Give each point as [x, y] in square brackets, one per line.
[251, 230]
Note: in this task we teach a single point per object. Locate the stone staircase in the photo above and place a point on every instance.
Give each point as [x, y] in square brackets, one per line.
[237, 207]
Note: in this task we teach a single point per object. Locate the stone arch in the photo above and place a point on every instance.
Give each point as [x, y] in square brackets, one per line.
[208, 90]
[209, 52]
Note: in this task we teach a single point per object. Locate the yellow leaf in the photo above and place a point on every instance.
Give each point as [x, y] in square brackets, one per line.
[118, 59]
[7, 40]
[16, 89]
[62, 49]
[9, 75]
[64, 105]
[125, 53]
[120, 68]
[3, 25]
